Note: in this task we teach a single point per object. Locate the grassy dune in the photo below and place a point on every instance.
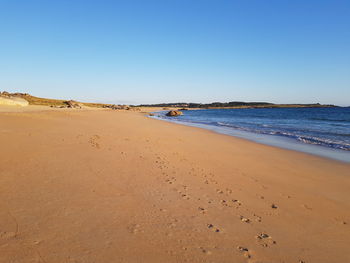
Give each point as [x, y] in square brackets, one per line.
[32, 100]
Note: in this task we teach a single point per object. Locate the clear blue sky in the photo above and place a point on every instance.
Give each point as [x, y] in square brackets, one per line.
[181, 50]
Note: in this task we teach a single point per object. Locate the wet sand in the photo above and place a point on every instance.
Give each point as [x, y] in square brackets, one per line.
[116, 186]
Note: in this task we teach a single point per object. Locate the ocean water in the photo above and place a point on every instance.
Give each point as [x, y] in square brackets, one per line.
[320, 131]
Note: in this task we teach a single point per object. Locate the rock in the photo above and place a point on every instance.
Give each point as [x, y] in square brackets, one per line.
[125, 107]
[5, 94]
[59, 106]
[122, 107]
[73, 104]
[114, 107]
[134, 109]
[174, 113]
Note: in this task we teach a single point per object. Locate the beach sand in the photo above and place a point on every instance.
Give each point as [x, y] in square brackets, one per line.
[115, 186]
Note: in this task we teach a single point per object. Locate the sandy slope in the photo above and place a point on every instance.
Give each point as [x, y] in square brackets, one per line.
[13, 101]
[107, 186]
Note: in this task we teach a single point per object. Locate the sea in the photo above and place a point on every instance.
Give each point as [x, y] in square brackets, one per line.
[319, 131]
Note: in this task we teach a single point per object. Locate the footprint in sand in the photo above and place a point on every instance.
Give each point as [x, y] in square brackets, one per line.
[306, 207]
[205, 250]
[213, 228]
[219, 191]
[228, 191]
[257, 218]
[223, 202]
[202, 210]
[171, 225]
[134, 228]
[93, 140]
[286, 196]
[9, 222]
[244, 251]
[185, 196]
[213, 181]
[185, 187]
[7, 235]
[265, 240]
[244, 219]
[210, 201]
[342, 222]
[237, 203]
[171, 180]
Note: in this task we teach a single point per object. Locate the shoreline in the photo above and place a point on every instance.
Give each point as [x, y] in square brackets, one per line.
[270, 140]
[103, 186]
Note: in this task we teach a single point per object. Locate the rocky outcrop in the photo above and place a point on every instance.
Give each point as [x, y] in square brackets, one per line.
[73, 104]
[124, 107]
[13, 101]
[134, 109]
[5, 94]
[118, 107]
[174, 113]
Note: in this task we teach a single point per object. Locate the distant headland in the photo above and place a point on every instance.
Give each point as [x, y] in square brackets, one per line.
[235, 104]
[32, 100]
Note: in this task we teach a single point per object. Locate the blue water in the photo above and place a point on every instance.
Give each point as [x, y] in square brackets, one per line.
[293, 128]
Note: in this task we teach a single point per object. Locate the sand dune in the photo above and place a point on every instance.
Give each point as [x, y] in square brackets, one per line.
[116, 186]
[13, 101]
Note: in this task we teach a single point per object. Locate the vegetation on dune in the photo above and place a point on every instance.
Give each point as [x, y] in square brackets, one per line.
[32, 100]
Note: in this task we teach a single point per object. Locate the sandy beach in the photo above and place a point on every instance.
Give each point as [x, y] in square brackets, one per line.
[116, 186]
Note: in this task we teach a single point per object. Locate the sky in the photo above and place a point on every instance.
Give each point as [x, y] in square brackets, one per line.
[177, 51]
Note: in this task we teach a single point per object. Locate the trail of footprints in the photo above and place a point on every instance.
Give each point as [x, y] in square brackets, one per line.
[224, 199]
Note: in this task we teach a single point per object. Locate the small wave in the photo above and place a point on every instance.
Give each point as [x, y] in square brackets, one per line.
[327, 119]
[323, 142]
[302, 138]
[225, 124]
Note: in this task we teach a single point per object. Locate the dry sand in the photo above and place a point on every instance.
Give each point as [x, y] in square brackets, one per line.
[115, 186]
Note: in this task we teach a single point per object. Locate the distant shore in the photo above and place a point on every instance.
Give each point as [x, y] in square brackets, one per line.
[236, 105]
[33, 100]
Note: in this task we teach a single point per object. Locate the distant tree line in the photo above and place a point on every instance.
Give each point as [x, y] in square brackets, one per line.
[231, 104]
[208, 105]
